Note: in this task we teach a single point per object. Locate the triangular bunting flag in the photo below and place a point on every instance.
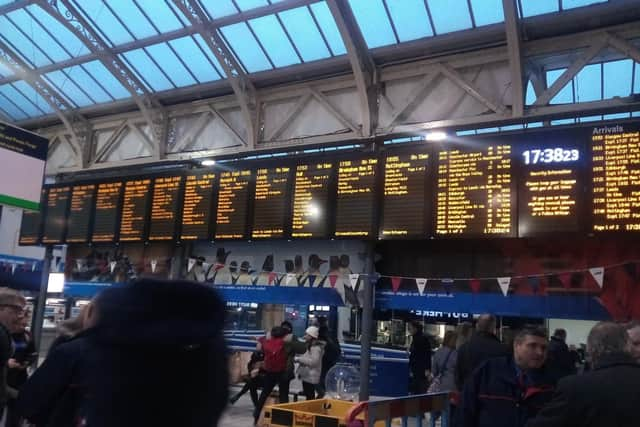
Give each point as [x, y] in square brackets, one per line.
[534, 283]
[565, 279]
[422, 283]
[474, 284]
[332, 280]
[112, 265]
[190, 264]
[154, 263]
[13, 268]
[78, 264]
[598, 275]
[447, 284]
[273, 277]
[395, 283]
[312, 279]
[33, 267]
[353, 279]
[289, 280]
[504, 283]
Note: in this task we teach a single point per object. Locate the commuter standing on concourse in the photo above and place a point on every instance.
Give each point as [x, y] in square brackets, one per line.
[12, 311]
[633, 329]
[419, 359]
[607, 396]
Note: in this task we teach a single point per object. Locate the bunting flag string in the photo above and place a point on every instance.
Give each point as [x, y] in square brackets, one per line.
[598, 275]
[154, 263]
[422, 283]
[190, 264]
[504, 283]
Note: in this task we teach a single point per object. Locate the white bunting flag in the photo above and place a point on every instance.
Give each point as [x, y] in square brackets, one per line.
[289, 280]
[504, 283]
[598, 275]
[192, 262]
[13, 268]
[422, 283]
[154, 263]
[112, 264]
[78, 264]
[353, 279]
[33, 267]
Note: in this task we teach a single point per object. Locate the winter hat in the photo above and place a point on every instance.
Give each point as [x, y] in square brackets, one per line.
[313, 331]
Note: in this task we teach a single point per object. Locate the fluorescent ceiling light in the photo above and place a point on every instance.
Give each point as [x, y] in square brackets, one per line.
[435, 136]
[208, 162]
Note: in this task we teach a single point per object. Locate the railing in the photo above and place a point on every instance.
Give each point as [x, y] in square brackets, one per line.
[405, 409]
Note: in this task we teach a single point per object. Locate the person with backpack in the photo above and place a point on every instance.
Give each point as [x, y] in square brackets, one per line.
[275, 367]
[311, 362]
[253, 380]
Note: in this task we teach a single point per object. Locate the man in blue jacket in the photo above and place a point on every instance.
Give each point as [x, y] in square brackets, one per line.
[508, 391]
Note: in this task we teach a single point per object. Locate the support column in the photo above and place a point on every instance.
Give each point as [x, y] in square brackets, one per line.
[367, 325]
[42, 297]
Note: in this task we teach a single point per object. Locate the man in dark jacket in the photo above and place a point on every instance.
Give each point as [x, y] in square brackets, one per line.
[12, 310]
[607, 395]
[559, 358]
[419, 359]
[482, 346]
[508, 391]
[155, 357]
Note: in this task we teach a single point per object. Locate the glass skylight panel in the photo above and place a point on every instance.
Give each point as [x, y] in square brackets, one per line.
[562, 122]
[617, 78]
[101, 17]
[305, 34]
[88, 83]
[210, 56]
[410, 19]
[450, 15]
[147, 70]
[565, 96]
[72, 44]
[4, 70]
[328, 27]
[199, 65]
[570, 4]
[160, 14]
[274, 40]
[68, 89]
[589, 119]
[538, 7]
[531, 94]
[5, 2]
[245, 5]
[616, 116]
[219, 8]
[10, 107]
[22, 44]
[33, 96]
[171, 65]
[38, 35]
[133, 18]
[106, 79]
[21, 100]
[373, 22]
[588, 84]
[486, 12]
[246, 47]
[636, 79]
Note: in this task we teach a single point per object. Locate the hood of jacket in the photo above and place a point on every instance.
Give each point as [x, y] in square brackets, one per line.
[157, 312]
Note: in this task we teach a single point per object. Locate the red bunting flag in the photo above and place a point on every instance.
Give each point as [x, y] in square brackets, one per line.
[332, 280]
[475, 285]
[395, 283]
[565, 279]
[273, 277]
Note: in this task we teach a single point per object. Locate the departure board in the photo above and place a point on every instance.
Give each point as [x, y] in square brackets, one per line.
[476, 192]
[30, 228]
[56, 220]
[356, 198]
[270, 203]
[233, 198]
[135, 205]
[196, 206]
[406, 206]
[165, 208]
[311, 200]
[105, 222]
[550, 187]
[616, 178]
[82, 201]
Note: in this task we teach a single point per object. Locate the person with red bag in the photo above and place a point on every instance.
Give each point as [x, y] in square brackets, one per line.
[275, 367]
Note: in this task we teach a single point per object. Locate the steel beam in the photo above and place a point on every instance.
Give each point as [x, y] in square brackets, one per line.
[291, 115]
[241, 84]
[333, 110]
[512, 28]
[110, 143]
[414, 99]
[226, 124]
[624, 47]
[362, 64]
[459, 80]
[77, 126]
[189, 138]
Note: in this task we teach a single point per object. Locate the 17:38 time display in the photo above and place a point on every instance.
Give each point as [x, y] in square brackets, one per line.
[550, 155]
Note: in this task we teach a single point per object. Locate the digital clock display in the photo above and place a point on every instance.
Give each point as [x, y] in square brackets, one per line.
[550, 155]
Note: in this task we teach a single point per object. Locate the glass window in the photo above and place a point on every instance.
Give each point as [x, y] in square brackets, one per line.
[170, 64]
[5, 71]
[203, 46]
[531, 94]
[487, 12]
[245, 5]
[636, 79]
[68, 89]
[562, 122]
[274, 40]
[87, 83]
[106, 79]
[33, 96]
[246, 47]
[533, 125]
[373, 22]
[160, 14]
[565, 96]
[38, 35]
[189, 51]
[588, 84]
[487, 130]
[589, 119]
[410, 19]
[539, 7]
[449, 15]
[329, 28]
[147, 70]
[617, 78]
[100, 16]
[66, 38]
[8, 106]
[21, 100]
[21, 44]
[616, 116]
[570, 4]
[219, 8]
[133, 18]
[511, 127]
[305, 34]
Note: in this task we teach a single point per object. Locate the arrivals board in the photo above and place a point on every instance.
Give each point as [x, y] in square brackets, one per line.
[233, 200]
[135, 205]
[270, 206]
[105, 222]
[475, 192]
[197, 206]
[406, 198]
[550, 190]
[80, 211]
[311, 200]
[356, 198]
[616, 178]
[165, 208]
[55, 223]
[30, 227]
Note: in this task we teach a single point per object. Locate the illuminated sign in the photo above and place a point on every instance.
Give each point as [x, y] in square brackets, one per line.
[355, 204]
